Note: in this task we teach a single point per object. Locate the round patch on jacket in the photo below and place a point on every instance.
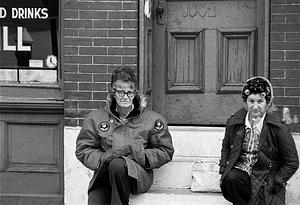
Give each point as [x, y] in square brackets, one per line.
[159, 125]
[103, 126]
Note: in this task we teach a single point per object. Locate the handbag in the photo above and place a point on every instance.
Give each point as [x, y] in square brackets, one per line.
[205, 176]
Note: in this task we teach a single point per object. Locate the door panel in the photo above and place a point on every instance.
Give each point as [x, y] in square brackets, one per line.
[31, 163]
[210, 49]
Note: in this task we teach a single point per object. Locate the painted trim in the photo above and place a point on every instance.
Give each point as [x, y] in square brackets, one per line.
[141, 45]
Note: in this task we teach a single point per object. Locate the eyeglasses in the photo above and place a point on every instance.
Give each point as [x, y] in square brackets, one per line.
[122, 93]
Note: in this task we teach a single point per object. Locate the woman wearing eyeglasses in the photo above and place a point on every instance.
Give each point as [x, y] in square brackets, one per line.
[122, 142]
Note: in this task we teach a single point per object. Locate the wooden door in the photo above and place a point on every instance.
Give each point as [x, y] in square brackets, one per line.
[203, 52]
[31, 104]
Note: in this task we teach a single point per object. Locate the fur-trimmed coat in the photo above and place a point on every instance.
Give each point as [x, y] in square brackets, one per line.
[143, 130]
[277, 157]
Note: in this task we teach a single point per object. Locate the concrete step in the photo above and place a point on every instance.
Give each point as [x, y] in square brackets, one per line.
[172, 182]
[177, 197]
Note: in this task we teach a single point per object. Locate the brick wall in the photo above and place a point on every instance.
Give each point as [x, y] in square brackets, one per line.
[98, 36]
[285, 54]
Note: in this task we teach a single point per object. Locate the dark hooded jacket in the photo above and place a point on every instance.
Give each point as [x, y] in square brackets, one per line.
[277, 156]
[144, 131]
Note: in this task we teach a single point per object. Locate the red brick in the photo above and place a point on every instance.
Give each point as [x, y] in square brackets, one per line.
[112, 67]
[277, 37]
[93, 5]
[130, 6]
[122, 33]
[70, 86]
[130, 24]
[92, 14]
[99, 95]
[117, 5]
[78, 5]
[293, 55]
[278, 91]
[92, 86]
[71, 32]
[75, 77]
[277, 55]
[78, 59]
[130, 42]
[77, 41]
[286, 83]
[91, 104]
[70, 14]
[129, 60]
[292, 92]
[70, 104]
[292, 1]
[92, 68]
[73, 68]
[293, 18]
[92, 51]
[102, 78]
[278, 1]
[130, 51]
[107, 24]
[92, 33]
[285, 27]
[123, 15]
[293, 74]
[277, 73]
[95, 105]
[70, 50]
[286, 101]
[293, 36]
[76, 95]
[285, 45]
[285, 64]
[107, 60]
[116, 51]
[285, 8]
[107, 42]
[277, 18]
[77, 24]
[75, 113]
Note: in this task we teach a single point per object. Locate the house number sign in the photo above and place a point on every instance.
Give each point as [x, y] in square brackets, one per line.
[194, 10]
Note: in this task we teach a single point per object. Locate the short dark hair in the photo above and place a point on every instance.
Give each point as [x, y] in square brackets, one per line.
[125, 74]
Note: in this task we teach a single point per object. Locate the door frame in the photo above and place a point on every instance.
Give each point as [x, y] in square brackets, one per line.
[146, 52]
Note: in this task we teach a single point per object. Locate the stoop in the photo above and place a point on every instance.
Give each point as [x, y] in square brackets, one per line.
[177, 197]
[172, 182]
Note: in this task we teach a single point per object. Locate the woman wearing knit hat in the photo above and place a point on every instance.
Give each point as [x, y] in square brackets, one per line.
[258, 154]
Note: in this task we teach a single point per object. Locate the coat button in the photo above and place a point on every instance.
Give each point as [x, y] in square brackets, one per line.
[270, 165]
[231, 146]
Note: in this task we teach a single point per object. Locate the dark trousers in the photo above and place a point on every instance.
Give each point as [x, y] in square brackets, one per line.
[115, 188]
[236, 187]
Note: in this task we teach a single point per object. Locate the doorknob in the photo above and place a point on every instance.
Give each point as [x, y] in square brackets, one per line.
[160, 12]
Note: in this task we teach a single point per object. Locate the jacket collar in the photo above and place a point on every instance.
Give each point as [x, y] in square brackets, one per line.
[139, 103]
[238, 118]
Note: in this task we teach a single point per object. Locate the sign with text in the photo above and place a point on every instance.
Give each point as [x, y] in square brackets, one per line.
[28, 30]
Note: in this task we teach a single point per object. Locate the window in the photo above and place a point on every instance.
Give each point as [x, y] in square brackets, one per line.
[29, 34]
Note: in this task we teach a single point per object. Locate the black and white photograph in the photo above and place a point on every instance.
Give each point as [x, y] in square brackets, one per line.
[149, 102]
